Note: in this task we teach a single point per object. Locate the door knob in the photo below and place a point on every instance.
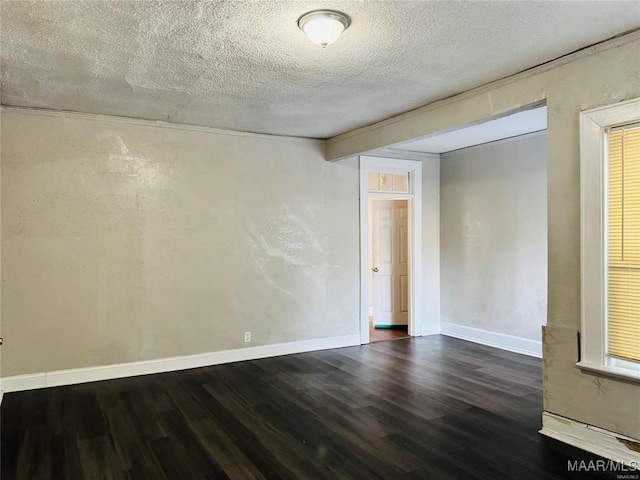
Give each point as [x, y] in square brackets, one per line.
[375, 269]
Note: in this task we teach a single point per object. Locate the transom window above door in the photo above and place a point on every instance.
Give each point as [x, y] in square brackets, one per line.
[388, 182]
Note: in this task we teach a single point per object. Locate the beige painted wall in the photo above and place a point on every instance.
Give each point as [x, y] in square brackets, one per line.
[493, 214]
[608, 74]
[431, 245]
[1, 349]
[123, 241]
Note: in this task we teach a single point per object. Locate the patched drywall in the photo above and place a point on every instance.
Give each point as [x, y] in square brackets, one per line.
[608, 74]
[493, 227]
[245, 65]
[125, 241]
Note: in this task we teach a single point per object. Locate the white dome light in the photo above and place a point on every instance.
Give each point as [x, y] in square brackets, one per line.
[323, 27]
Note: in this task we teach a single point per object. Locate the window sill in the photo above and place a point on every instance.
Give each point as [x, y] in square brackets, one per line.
[615, 372]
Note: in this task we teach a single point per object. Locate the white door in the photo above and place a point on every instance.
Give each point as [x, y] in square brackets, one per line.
[390, 264]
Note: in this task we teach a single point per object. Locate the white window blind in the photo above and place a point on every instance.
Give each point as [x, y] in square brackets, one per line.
[623, 237]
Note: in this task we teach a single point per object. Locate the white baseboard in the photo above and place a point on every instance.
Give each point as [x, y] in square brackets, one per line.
[524, 346]
[592, 439]
[106, 372]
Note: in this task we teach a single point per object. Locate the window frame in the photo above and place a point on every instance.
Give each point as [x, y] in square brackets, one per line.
[594, 124]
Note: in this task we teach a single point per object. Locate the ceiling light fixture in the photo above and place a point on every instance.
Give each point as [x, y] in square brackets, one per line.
[323, 27]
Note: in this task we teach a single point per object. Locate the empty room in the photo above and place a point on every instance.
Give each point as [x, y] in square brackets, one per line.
[319, 240]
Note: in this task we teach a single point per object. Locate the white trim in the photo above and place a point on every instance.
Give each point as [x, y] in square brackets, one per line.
[385, 164]
[1, 396]
[390, 195]
[610, 371]
[154, 123]
[596, 440]
[593, 251]
[121, 370]
[528, 73]
[511, 343]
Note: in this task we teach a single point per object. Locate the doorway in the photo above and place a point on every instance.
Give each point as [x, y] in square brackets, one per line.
[388, 269]
[390, 236]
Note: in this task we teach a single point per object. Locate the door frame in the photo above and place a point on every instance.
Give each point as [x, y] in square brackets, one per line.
[392, 165]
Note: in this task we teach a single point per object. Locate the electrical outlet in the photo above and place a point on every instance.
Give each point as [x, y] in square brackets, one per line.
[247, 337]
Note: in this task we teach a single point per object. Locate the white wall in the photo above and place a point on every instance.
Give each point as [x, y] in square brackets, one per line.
[125, 241]
[431, 245]
[494, 236]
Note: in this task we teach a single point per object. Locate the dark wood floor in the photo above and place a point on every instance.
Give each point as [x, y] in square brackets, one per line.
[431, 407]
[384, 334]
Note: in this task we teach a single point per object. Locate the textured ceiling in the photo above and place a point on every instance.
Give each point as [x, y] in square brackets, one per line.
[244, 65]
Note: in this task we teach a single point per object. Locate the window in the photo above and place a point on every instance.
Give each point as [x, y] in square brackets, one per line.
[623, 237]
[388, 182]
[610, 234]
